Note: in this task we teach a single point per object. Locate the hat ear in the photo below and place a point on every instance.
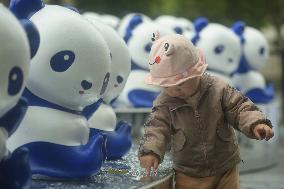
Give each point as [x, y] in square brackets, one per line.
[155, 36]
[171, 49]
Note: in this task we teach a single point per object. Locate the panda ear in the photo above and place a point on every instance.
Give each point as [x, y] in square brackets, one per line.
[170, 50]
[25, 8]
[239, 28]
[200, 23]
[135, 21]
[32, 34]
[195, 39]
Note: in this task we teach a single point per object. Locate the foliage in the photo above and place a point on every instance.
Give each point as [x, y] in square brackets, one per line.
[254, 12]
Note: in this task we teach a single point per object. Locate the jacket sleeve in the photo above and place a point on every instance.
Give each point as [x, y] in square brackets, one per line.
[241, 112]
[157, 133]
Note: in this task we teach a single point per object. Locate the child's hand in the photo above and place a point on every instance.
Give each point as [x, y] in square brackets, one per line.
[148, 161]
[262, 131]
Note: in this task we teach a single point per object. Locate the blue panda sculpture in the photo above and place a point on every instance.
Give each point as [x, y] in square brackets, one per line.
[68, 76]
[118, 135]
[15, 54]
[255, 54]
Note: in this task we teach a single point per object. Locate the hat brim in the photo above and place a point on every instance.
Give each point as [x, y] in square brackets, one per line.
[196, 71]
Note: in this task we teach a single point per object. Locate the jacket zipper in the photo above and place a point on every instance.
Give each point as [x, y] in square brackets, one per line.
[200, 127]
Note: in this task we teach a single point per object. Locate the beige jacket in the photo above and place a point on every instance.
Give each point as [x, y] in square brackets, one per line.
[201, 139]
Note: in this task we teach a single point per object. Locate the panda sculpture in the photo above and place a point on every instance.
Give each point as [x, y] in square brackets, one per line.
[255, 54]
[68, 76]
[15, 54]
[221, 48]
[118, 135]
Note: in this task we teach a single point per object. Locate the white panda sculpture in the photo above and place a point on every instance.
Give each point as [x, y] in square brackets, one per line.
[118, 135]
[68, 76]
[255, 54]
[221, 48]
[15, 56]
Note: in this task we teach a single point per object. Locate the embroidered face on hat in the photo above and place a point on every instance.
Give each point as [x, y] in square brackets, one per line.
[174, 59]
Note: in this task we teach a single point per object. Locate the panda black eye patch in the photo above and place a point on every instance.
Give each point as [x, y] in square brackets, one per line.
[16, 78]
[62, 60]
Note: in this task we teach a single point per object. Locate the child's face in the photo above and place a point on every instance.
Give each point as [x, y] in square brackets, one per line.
[183, 90]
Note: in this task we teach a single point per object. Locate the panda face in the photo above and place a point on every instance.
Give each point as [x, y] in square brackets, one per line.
[256, 49]
[140, 42]
[71, 67]
[221, 47]
[14, 60]
[120, 59]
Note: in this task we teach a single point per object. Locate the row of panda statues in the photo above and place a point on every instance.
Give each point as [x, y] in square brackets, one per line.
[56, 69]
[62, 73]
[237, 54]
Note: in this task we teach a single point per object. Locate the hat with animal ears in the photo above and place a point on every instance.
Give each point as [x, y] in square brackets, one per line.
[173, 60]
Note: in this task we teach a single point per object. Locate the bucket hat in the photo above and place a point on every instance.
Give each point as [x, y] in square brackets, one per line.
[173, 60]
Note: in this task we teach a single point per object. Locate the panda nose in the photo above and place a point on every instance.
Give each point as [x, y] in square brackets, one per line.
[86, 84]
[230, 60]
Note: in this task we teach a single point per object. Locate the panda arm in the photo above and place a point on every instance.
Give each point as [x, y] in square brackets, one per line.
[12, 119]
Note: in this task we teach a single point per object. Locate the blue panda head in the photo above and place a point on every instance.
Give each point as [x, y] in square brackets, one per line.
[15, 57]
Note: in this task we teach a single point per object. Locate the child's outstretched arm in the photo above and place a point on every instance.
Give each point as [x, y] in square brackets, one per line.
[155, 139]
[245, 116]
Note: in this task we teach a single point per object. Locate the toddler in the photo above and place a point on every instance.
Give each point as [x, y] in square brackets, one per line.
[196, 115]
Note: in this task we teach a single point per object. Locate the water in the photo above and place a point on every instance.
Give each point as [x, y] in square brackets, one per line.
[124, 173]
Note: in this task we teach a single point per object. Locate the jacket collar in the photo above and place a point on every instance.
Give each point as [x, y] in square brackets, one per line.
[174, 103]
